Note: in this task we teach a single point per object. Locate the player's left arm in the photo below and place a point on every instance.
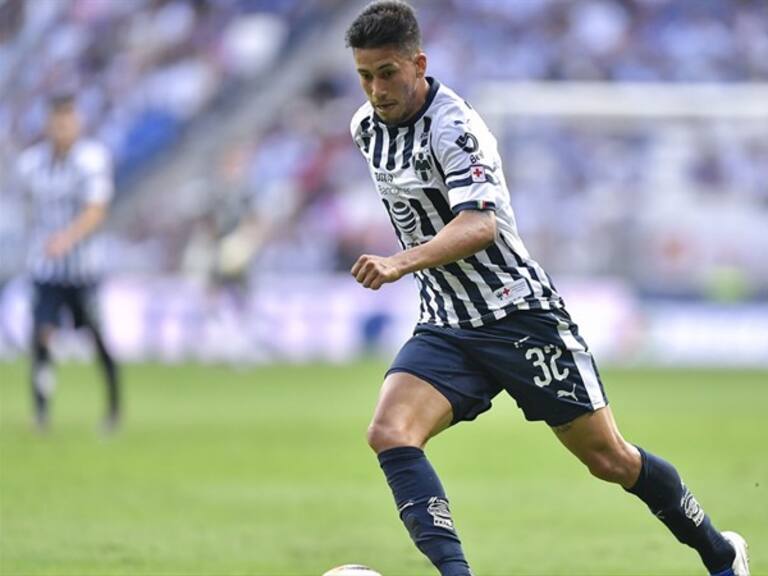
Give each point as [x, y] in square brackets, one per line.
[468, 233]
[98, 191]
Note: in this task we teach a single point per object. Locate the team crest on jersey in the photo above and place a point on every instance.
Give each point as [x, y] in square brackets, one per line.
[422, 163]
[440, 512]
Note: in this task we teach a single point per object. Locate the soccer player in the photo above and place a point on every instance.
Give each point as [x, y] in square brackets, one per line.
[491, 318]
[67, 181]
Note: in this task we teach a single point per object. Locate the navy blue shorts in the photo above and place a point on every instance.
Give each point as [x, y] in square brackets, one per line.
[537, 356]
[54, 302]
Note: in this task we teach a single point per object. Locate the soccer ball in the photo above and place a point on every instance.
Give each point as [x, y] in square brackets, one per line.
[351, 570]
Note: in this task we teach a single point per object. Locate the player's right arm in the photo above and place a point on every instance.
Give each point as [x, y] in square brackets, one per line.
[468, 233]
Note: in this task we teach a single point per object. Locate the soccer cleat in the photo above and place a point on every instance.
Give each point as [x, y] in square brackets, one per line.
[111, 424]
[42, 414]
[740, 566]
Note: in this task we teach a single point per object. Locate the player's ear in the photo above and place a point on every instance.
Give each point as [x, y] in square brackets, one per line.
[421, 64]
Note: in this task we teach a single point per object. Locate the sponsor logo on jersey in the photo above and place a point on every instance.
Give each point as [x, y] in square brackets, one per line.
[477, 157]
[467, 142]
[691, 507]
[519, 343]
[513, 291]
[387, 190]
[404, 217]
[568, 394]
[478, 174]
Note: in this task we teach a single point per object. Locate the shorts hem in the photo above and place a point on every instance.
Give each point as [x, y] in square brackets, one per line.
[566, 419]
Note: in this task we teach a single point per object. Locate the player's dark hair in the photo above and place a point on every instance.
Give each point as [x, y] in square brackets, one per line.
[385, 23]
[61, 100]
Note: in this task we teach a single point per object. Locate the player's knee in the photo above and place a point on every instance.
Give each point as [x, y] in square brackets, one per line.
[42, 338]
[603, 468]
[383, 436]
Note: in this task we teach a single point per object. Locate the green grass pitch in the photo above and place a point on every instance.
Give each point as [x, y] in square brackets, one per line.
[266, 472]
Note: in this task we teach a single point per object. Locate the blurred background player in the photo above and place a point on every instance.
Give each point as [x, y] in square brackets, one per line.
[67, 182]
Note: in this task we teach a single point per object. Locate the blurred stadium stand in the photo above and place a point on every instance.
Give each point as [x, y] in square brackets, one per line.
[634, 133]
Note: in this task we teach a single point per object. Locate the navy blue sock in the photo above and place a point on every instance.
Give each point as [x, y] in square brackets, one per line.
[423, 508]
[42, 380]
[661, 488]
[109, 367]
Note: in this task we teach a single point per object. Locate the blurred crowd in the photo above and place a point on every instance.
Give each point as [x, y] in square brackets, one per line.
[147, 69]
[615, 40]
[143, 69]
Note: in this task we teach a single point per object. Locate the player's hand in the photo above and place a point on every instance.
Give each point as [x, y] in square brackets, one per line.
[236, 251]
[373, 271]
[58, 245]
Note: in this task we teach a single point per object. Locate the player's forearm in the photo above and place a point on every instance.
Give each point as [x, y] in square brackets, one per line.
[467, 234]
[89, 220]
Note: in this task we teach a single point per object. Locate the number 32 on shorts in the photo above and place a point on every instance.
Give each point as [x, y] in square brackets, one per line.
[546, 361]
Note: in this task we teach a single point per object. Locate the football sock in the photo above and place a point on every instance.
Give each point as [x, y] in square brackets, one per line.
[110, 375]
[423, 508]
[661, 488]
[43, 381]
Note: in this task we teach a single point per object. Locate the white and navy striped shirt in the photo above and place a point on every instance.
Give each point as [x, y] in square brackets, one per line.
[428, 169]
[58, 189]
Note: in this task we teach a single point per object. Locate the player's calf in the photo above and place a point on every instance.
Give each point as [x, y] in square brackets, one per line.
[111, 380]
[43, 379]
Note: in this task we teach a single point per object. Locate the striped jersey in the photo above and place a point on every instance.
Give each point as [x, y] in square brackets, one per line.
[428, 169]
[57, 190]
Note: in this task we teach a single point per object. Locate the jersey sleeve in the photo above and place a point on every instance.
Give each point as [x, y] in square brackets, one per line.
[466, 152]
[22, 172]
[97, 171]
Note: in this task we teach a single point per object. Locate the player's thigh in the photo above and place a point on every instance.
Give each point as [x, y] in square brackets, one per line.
[82, 304]
[589, 432]
[47, 303]
[409, 412]
[431, 384]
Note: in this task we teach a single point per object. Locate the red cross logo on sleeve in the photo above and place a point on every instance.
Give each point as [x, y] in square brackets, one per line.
[478, 174]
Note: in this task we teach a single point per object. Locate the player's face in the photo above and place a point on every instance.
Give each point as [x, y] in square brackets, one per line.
[392, 80]
[63, 126]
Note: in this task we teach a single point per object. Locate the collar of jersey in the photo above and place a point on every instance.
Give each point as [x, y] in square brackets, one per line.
[434, 86]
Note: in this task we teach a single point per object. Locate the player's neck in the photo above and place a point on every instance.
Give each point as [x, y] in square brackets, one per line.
[422, 91]
[61, 150]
